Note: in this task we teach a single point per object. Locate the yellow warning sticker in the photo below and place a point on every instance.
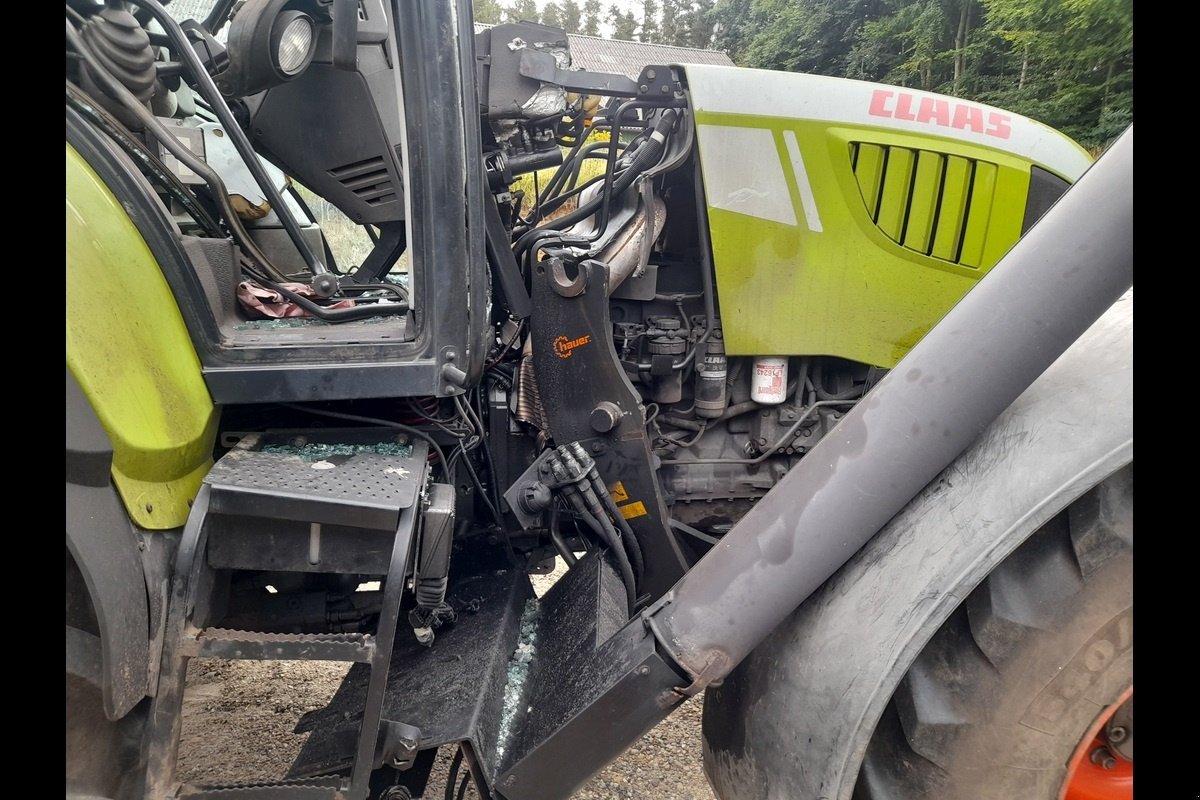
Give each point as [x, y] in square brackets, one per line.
[631, 510]
[619, 495]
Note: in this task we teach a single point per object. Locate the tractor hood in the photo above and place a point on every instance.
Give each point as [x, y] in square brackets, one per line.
[848, 217]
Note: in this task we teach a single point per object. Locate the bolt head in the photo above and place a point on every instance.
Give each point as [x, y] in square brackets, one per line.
[1117, 734]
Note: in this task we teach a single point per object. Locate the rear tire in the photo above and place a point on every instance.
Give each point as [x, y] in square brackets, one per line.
[997, 702]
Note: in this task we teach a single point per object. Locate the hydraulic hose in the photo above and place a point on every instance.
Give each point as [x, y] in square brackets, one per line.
[140, 154]
[117, 90]
[610, 538]
[560, 544]
[217, 186]
[605, 532]
[632, 545]
[323, 281]
[646, 156]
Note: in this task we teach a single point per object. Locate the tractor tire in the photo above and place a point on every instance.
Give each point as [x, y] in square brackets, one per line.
[103, 756]
[1006, 692]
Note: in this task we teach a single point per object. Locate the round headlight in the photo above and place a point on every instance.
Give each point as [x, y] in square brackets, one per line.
[295, 43]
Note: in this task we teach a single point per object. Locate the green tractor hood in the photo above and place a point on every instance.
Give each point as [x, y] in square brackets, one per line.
[848, 217]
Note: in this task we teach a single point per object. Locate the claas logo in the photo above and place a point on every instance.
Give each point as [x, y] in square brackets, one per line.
[940, 112]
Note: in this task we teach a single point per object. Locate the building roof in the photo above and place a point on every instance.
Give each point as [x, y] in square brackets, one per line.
[627, 58]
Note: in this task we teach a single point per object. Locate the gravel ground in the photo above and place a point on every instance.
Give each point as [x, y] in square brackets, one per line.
[239, 716]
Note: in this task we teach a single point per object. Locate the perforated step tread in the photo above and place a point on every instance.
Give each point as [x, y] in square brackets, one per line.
[362, 489]
[254, 645]
[295, 789]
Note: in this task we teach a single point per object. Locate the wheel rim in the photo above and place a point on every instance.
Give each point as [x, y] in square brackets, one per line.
[1096, 770]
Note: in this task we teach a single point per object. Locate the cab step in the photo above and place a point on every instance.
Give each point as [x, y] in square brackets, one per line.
[360, 497]
[332, 788]
[253, 645]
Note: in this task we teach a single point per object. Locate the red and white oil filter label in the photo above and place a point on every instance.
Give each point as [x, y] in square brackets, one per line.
[769, 380]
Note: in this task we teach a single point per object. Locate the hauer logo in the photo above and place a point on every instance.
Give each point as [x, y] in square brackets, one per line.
[941, 112]
[564, 347]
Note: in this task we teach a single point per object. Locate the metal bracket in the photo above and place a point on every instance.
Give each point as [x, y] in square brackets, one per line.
[398, 745]
[544, 67]
[714, 668]
[563, 285]
[658, 82]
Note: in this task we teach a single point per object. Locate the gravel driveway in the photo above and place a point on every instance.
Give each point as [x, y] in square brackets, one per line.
[239, 716]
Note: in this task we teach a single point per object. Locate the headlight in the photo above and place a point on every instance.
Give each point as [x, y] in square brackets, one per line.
[269, 44]
[293, 42]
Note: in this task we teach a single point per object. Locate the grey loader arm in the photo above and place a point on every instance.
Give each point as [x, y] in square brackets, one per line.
[854, 639]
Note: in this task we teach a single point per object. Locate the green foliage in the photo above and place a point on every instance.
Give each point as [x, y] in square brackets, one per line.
[552, 14]
[572, 16]
[488, 11]
[649, 31]
[591, 18]
[1067, 63]
[624, 24]
[348, 241]
[521, 11]
[701, 23]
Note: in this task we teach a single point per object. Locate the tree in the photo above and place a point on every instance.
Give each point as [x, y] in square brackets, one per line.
[698, 23]
[552, 15]
[733, 27]
[624, 24]
[488, 11]
[649, 32]
[1070, 64]
[591, 18]
[1067, 63]
[671, 31]
[522, 10]
[806, 35]
[571, 15]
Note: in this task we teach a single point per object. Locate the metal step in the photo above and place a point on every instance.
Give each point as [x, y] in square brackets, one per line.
[262, 477]
[303, 789]
[255, 646]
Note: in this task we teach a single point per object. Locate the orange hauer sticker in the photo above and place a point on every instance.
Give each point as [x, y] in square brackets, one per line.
[564, 347]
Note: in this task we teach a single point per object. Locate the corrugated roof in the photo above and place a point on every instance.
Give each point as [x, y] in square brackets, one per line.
[627, 58]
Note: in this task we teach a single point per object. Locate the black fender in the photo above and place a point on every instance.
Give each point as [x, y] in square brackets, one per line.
[105, 547]
[794, 719]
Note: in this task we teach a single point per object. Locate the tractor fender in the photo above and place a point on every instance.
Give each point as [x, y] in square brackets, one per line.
[105, 548]
[794, 719]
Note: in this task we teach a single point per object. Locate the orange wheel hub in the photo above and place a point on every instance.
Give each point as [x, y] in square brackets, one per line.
[1097, 771]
